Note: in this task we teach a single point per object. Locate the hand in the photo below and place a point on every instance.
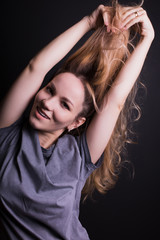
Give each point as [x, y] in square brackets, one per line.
[138, 15]
[98, 15]
[130, 17]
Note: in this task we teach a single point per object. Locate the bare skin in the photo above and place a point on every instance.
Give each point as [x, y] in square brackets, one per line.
[31, 78]
[56, 106]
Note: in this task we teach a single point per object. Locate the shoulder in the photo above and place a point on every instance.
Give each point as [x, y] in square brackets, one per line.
[67, 143]
[81, 142]
[11, 134]
[10, 130]
[70, 143]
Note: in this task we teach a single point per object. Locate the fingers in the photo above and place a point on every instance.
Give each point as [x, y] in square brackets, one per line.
[105, 16]
[131, 17]
[138, 15]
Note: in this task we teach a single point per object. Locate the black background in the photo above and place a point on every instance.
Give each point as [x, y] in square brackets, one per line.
[131, 209]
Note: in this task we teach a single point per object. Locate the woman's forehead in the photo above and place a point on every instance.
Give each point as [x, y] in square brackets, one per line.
[70, 86]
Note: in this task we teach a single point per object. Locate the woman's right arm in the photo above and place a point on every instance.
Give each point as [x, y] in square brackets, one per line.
[30, 80]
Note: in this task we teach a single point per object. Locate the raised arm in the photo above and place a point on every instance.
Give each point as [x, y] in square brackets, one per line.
[103, 123]
[30, 80]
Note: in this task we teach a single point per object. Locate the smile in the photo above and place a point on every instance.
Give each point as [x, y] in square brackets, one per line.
[42, 114]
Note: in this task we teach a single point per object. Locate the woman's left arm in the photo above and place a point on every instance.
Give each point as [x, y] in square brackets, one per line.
[103, 123]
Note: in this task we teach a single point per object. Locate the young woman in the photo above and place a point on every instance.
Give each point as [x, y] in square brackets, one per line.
[76, 128]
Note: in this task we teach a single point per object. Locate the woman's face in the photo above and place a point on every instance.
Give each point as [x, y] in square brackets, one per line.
[56, 106]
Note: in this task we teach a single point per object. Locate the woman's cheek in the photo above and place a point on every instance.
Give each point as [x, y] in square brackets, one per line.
[40, 96]
[63, 117]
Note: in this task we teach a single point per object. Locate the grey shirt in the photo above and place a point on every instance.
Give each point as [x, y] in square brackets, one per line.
[40, 189]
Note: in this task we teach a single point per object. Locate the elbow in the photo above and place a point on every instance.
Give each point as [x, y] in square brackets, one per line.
[120, 105]
[36, 67]
[118, 102]
[32, 66]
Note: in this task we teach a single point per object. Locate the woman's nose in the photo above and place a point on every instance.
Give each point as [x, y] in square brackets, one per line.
[49, 103]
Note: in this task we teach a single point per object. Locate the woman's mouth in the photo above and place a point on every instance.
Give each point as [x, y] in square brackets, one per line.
[41, 113]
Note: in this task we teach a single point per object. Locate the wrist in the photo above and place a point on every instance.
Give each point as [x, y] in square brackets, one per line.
[88, 22]
[148, 35]
[147, 39]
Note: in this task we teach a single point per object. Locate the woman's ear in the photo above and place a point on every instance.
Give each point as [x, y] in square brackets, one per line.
[77, 123]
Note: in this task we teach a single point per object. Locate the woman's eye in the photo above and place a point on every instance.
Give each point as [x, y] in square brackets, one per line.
[50, 90]
[65, 105]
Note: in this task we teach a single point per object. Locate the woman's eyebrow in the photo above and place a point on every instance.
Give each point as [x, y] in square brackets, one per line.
[68, 100]
[53, 86]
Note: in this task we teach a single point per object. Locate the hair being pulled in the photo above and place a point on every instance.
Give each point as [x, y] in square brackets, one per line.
[98, 62]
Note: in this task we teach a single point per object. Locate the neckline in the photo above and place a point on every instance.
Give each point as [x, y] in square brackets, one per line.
[48, 149]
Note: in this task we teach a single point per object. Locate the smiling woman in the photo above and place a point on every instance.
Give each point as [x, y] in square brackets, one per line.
[57, 106]
[43, 167]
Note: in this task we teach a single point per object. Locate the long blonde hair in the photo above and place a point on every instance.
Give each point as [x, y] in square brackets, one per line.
[99, 61]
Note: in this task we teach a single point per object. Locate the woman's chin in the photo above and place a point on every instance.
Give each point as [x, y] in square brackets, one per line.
[33, 122]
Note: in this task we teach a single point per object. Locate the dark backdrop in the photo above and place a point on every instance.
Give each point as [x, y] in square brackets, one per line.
[131, 209]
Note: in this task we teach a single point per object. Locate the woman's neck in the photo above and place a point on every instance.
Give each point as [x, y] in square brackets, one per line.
[46, 139]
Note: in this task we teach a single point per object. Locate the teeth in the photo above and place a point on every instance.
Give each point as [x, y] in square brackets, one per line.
[42, 114]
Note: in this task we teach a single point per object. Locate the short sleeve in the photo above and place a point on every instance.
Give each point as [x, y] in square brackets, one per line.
[9, 137]
[85, 154]
[10, 131]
